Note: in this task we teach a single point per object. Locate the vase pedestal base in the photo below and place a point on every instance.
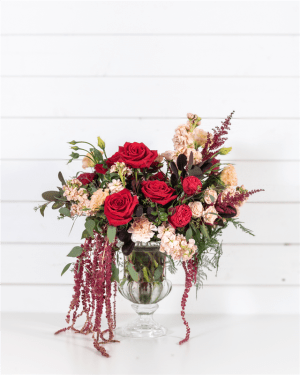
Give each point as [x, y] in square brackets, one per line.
[144, 326]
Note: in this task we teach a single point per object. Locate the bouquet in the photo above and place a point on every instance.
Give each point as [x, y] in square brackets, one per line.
[183, 198]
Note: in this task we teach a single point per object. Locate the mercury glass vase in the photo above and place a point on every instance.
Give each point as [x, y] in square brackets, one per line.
[145, 284]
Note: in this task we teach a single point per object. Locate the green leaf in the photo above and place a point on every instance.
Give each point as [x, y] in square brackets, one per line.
[90, 225]
[75, 252]
[204, 230]
[133, 273]
[158, 272]
[189, 234]
[57, 205]
[85, 234]
[61, 178]
[66, 268]
[154, 213]
[111, 233]
[123, 282]
[74, 155]
[115, 273]
[212, 198]
[42, 209]
[51, 195]
[65, 211]
[146, 274]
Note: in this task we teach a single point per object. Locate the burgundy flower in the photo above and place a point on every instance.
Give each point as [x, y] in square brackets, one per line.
[158, 176]
[191, 185]
[181, 217]
[86, 178]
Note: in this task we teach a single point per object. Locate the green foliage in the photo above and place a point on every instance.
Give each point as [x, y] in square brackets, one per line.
[146, 274]
[57, 205]
[42, 209]
[158, 272]
[89, 226]
[189, 234]
[238, 224]
[51, 195]
[85, 234]
[66, 268]
[132, 272]
[65, 211]
[115, 273]
[75, 252]
[61, 179]
[204, 231]
[111, 233]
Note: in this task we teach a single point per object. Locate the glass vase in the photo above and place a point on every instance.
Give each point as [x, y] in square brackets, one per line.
[145, 284]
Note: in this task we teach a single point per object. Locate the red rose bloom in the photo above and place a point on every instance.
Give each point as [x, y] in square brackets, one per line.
[86, 178]
[99, 168]
[158, 191]
[119, 207]
[137, 155]
[191, 185]
[113, 159]
[158, 176]
[181, 217]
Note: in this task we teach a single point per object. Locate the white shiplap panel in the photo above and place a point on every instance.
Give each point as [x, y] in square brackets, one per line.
[172, 17]
[239, 265]
[272, 223]
[211, 300]
[150, 56]
[149, 97]
[47, 138]
[280, 179]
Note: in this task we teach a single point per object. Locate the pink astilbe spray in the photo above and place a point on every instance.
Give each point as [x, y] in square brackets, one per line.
[92, 290]
[217, 140]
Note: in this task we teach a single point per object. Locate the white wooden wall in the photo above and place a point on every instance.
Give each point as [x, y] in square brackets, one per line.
[131, 71]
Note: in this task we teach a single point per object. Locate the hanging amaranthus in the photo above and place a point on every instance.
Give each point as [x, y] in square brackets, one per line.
[93, 291]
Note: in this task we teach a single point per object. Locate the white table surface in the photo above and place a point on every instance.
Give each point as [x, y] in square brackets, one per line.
[219, 344]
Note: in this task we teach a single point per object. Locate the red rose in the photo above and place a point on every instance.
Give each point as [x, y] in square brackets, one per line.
[100, 169]
[158, 191]
[113, 159]
[86, 178]
[137, 155]
[119, 207]
[191, 185]
[181, 217]
[158, 176]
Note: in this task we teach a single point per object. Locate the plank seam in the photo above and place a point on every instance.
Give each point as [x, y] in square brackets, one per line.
[9, 35]
[76, 243]
[137, 118]
[147, 76]
[205, 285]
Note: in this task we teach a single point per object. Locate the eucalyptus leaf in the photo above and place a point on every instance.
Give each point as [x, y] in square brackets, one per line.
[111, 233]
[61, 178]
[57, 205]
[89, 226]
[65, 211]
[42, 209]
[85, 234]
[75, 252]
[212, 198]
[133, 273]
[51, 195]
[158, 272]
[65, 268]
[189, 234]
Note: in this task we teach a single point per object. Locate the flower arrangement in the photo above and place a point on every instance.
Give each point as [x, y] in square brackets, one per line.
[183, 198]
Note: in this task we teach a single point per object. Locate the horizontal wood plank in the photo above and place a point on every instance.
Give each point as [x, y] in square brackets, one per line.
[150, 56]
[24, 139]
[271, 223]
[155, 97]
[174, 17]
[239, 265]
[211, 300]
[280, 180]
